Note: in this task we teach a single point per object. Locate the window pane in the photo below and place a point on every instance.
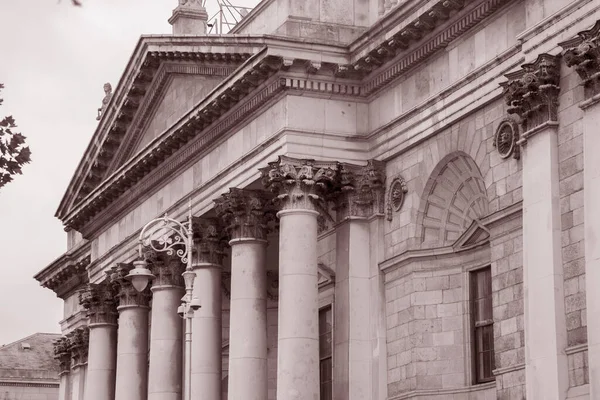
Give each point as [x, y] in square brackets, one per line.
[483, 335]
[326, 370]
[325, 345]
[327, 391]
[325, 320]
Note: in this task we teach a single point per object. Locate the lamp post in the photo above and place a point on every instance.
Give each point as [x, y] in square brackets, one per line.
[164, 235]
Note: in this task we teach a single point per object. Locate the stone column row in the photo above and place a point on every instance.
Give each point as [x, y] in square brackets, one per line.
[72, 352]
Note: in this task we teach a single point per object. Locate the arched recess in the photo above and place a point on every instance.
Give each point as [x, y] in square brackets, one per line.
[453, 198]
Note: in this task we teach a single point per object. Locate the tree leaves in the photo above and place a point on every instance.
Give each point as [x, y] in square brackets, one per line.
[13, 152]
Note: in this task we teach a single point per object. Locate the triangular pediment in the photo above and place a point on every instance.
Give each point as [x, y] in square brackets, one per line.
[475, 235]
[157, 89]
[326, 275]
[178, 88]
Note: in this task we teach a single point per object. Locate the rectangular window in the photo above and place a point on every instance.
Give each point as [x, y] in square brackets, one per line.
[482, 325]
[326, 352]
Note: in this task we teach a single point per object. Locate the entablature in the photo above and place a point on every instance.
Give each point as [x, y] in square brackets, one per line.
[68, 272]
[268, 66]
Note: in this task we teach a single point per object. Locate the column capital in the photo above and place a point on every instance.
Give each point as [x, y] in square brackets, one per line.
[246, 213]
[99, 303]
[583, 53]
[126, 294]
[62, 353]
[78, 345]
[362, 190]
[166, 266]
[301, 183]
[210, 241]
[532, 92]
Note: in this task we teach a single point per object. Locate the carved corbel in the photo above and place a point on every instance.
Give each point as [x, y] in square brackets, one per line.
[312, 67]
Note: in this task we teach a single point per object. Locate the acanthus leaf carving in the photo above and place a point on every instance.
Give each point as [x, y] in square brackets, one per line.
[361, 191]
[210, 241]
[126, 294]
[301, 183]
[583, 53]
[246, 213]
[99, 302]
[532, 92]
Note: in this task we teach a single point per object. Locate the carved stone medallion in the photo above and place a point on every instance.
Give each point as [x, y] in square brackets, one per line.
[506, 138]
[397, 193]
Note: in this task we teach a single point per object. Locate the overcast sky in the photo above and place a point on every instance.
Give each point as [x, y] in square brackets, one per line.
[54, 60]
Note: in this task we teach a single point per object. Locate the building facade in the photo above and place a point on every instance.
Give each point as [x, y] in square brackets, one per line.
[387, 200]
[28, 370]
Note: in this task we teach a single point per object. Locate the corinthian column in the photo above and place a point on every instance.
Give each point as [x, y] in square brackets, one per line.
[207, 261]
[78, 346]
[359, 207]
[532, 94]
[63, 354]
[246, 215]
[132, 344]
[165, 372]
[98, 300]
[583, 53]
[301, 187]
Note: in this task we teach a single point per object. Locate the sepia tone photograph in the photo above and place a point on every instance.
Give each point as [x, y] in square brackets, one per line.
[299, 200]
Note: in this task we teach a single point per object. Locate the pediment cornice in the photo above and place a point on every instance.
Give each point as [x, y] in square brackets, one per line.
[326, 69]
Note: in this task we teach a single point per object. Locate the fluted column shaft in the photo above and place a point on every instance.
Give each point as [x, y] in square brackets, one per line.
[246, 213]
[205, 379]
[132, 344]
[102, 353]
[165, 371]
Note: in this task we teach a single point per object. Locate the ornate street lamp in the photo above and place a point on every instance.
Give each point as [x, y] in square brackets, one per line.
[166, 235]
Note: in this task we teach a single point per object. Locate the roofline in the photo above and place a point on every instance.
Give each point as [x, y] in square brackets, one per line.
[260, 42]
[28, 337]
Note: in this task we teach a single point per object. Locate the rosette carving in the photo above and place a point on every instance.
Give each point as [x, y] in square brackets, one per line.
[210, 241]
[124, 290]
[62, 353]
[301, 184]
[362, 190]
[583, 53]
[79, 341]
[246, 213]
[532, 92]
[100, 303]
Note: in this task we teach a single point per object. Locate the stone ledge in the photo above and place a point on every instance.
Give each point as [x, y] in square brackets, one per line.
[444, 392]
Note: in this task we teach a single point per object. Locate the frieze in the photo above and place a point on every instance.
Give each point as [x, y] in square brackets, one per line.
[361, 190]
[210, 241]
[126, 294]
[583, 53]
[246, 213]
[532, 92]
[99, 302]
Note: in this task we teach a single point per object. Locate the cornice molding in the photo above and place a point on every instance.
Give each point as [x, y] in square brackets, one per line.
[229, 94]
[152, 100]
[62, 271]
[29, 383]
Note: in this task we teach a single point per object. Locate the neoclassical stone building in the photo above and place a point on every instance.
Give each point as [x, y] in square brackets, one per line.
[387, 200]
